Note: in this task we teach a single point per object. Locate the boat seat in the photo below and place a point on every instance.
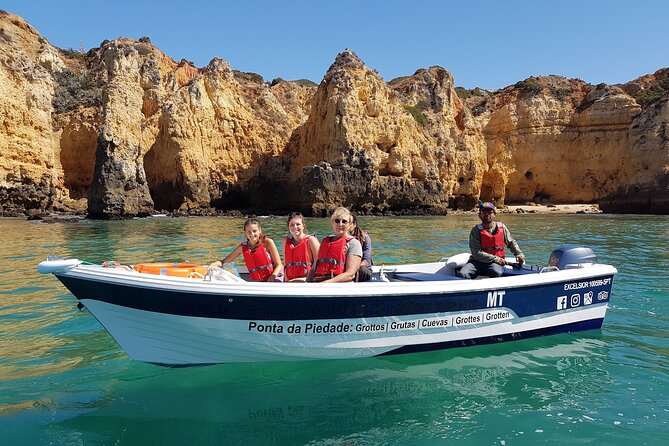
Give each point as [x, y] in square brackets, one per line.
[423, 277]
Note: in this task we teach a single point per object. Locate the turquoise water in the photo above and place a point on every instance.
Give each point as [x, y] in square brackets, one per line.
[64, 381]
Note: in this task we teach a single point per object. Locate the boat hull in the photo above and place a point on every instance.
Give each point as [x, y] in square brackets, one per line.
[172, 321]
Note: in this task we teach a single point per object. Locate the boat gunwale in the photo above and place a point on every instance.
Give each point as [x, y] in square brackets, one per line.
[335, 290]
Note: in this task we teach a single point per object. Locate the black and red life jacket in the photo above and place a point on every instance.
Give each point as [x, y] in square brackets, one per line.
[331, 257]
[492, 243]
[298, 263]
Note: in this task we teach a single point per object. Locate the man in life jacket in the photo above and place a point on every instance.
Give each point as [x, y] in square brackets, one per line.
[487, 242]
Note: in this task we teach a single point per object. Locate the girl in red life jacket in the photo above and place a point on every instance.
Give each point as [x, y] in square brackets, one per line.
[260, 254]
[340, 254]
[300, 250]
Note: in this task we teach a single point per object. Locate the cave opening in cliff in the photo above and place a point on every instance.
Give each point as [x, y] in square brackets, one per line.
[164, 197]
[164, 176]
[78, 144]
[232, 197]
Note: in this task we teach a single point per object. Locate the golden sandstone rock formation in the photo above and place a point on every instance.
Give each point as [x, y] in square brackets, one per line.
[124, 130]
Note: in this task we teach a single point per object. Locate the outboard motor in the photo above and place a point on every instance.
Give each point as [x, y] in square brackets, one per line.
[572, 256]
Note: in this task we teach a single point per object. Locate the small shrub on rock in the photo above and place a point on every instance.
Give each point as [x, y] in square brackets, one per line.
[655, 92]
[74, 90]
[530, 86]
[417, 114]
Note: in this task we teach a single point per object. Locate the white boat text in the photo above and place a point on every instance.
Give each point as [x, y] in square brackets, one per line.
[587, 284]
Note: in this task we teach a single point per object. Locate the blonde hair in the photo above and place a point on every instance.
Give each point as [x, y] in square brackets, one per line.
[341, 212]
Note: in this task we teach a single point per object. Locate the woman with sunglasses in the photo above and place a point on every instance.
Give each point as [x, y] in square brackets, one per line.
[340, 254]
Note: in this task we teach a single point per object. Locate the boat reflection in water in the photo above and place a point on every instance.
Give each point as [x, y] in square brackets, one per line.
[450, 394]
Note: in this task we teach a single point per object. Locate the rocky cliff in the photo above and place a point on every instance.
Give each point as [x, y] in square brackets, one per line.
[124, 130]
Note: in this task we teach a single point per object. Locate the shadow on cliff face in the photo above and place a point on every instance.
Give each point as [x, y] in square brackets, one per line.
[166, 196]
[261, 196]
[318, 189]
[266, 187]
[352, 182]
[638, 200]
[160, 166]
[78, 144]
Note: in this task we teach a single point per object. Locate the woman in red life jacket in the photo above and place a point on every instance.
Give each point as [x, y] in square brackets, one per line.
[260, 254]
[300, 250]
[340, 254]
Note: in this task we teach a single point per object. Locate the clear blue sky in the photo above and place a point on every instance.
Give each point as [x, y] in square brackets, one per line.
[490, 44]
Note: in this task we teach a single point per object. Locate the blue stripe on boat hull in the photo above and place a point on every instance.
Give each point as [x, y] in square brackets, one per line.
[594, 324]
[524, 301]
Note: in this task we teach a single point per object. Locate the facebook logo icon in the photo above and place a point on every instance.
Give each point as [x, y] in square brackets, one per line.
[562, 302]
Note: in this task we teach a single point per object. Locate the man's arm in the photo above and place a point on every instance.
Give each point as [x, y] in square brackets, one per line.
[513, 245]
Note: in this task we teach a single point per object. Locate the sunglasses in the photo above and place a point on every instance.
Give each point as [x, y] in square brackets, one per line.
[340, 221]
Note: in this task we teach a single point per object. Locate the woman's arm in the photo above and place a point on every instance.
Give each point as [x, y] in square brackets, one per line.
[314, 245]
[229, 258]
[270, 246]
[352, 265]
[284, 247]
[367, 251]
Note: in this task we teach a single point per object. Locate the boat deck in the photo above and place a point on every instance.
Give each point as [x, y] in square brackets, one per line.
[435, 277]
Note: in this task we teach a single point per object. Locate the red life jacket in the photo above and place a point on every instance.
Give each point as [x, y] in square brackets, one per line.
[331, 257]
[298, 263]
[258, 262]
[492, 243]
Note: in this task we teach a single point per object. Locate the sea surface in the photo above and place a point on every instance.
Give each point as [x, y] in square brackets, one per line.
[64, 380]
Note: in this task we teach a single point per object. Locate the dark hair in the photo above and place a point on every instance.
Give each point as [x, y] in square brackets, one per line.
[358, 233]
[252, 221]
[293, 215]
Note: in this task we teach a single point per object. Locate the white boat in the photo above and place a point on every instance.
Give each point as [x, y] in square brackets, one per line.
[221, 318]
